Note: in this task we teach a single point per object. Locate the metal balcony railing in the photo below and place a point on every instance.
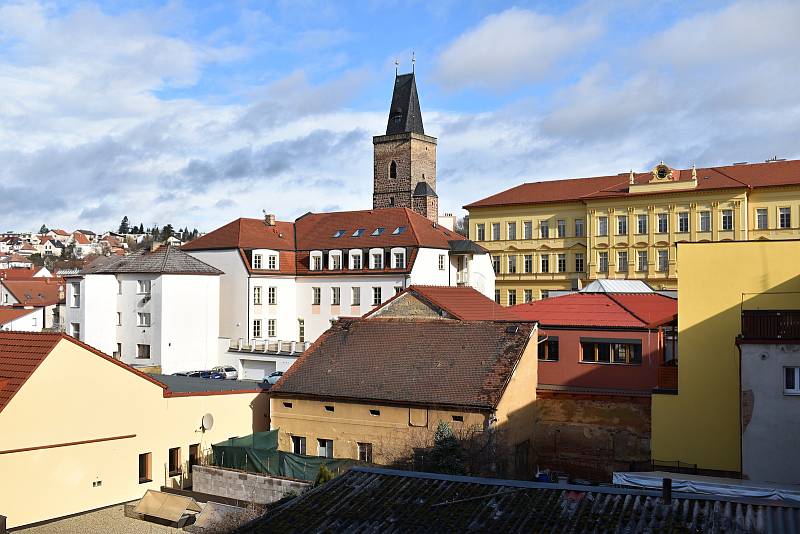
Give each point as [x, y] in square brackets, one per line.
[771, 324]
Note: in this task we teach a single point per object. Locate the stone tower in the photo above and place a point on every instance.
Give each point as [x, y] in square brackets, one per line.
[405, 158]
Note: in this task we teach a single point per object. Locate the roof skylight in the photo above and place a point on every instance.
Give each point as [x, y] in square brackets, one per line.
[399, 230]
[378, 231]
[339, 233]
[358, 233]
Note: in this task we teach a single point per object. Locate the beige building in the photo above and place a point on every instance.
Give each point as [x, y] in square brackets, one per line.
[80, 430]
[560, 234]
[375, 389]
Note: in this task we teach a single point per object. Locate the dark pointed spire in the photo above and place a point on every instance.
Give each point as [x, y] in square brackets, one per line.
[405, 114]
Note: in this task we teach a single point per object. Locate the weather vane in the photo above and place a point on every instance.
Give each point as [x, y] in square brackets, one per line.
[396, 65]
[413, 61]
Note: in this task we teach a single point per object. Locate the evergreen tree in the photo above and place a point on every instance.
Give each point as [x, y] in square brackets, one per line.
[323, 476]
[167, 232]
[447, 455]
[141, 229]
[124, 226]
[44, 229]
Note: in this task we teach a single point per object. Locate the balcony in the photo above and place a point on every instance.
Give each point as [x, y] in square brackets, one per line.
[462, 278]
[770, 324]
[668, 378]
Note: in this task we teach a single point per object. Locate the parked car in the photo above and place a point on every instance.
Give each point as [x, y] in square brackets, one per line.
[200, 374]
[180, 374]
[230, 372]
[273, 377]
[216, 375]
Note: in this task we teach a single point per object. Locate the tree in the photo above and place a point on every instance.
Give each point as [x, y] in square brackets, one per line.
[44, 229]
[462, 226]
[124, 226]
[167, 232]
[447, 455]
[323, 476]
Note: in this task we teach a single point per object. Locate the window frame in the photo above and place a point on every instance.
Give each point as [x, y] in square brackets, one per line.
[683, 222]
[759, 213]
[328, 450]
[580, 228]
[336, 296]
[256, 295]
[602, 257]
[355, 296]
[527, 230]
[143, 319]
[662, 253]
[480, 232]
[148, 467]
[641, 223]
[441, 262]
[377, 295]
[511, 264]
[544, 351]
[511, 230]
[511, 296]
[580, 257]
[139, 351]
[316, 296]
[796, 371]
[272, 327]
[726, 215]
[544, 229]
[495, 232]
[272, 296]
[364, 452]
[300, 444]
[633, 356]
[622, 261]
[174, 467]
[788, 219]
[622, 225]
[662, 223]
[257, 261]
[704, 221]
[602, 226]
[544, 263]
[256, 329]
[642, 262]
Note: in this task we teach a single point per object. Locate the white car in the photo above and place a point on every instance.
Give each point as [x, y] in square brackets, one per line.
[273, 378]
[230, 372]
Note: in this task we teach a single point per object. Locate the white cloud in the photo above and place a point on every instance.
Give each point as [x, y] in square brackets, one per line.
[509, 48]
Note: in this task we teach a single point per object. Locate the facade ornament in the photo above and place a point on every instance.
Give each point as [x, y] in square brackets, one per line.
[694, 172]
[631, 178]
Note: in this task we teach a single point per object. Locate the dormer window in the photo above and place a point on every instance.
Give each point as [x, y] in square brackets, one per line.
[256, 261]
[378, 231]
[376, 258]
[355, 259]
[398, 258]
[358, 233]
[335, 260]
[399, 230]
[339, 233]
[393, 169]
[316, 261]
[272, 262]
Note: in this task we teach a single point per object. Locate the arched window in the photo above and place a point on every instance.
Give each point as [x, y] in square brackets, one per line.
[393, 170]
[391, 201]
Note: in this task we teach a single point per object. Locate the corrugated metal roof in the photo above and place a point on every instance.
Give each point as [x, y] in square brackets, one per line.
[381, 500]
[617, 286]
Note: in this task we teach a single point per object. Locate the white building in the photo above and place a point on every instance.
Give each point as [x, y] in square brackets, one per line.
[22, 318]
[285, 281]
[153, 308]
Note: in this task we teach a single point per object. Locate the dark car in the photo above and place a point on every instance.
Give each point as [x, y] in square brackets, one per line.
[200, 374]
[216, 375]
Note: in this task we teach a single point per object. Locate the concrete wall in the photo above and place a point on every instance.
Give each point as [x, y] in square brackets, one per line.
[247, 487]
[770, 417]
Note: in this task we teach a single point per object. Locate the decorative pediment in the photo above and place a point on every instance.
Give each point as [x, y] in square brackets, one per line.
[661, 173]
[640, 244]
[662, 178]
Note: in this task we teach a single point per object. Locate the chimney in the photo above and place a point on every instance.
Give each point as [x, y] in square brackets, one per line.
[154, 246]
[269, 219]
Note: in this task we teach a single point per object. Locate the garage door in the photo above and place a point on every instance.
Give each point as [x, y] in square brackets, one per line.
[257, 370]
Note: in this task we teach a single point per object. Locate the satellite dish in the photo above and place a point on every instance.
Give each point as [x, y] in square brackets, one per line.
[207, 423]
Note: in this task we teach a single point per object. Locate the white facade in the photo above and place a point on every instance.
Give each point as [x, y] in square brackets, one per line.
[167, 320]
[30, 322]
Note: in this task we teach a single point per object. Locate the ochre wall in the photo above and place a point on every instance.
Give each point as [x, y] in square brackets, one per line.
[700, 425]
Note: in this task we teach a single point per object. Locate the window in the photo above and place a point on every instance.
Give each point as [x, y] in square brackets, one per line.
[76, 294]
[365, 452]
[602, 226]
[579, 230]
[336, 293]
[397, 290]
[336, 262]
[761, 219]
[393, 169]
[75, 328]
[561, 260]
[544, 229]
[791, 385]
[784, 218]
[143, 351]
[545, 263]
[705, 221]
[330, 408]
[641, 224]
[355, 296]
[527, 263]
[579, 262]
[727, 220]
[496, 264]
[256, 261]
[142, 319]
[544, 293]
[118, 353]
[683, 221]
[512, 297]
[119, 287]
[561, 228]
[338, 233]
[143, 287]
[548, 349]
[194, 455]
[174, 466]
[480, 231]
[622, 224]
[663, 223]
[355, 258]
[257, 295]
[272, 295]
[663, 260]
[602, 261]
[256, 328]
[528, 295]
[325, 448]
[495, 231]
[641, 260]
[622, 261]
[316, 296]
[375, 413]
[119, 319]
[399, 230]
[377, 260]
[441, 262]
[301, 330]
[298, 444]
[359, 232]
[145, 464]
[497, 296]
[611, 351]
[270, 327]
[287, 405]
[512, 264]
[272, 262]
[376, 296]
[316, 263]
[512, 230]
[527, 230]
[399, 260]
[458, 418]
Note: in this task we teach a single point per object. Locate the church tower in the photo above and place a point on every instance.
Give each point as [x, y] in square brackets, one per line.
[405, 158]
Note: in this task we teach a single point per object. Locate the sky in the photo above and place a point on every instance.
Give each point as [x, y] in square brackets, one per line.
[196, 113]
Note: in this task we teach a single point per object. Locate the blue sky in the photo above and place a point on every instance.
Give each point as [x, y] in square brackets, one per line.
[196, 113]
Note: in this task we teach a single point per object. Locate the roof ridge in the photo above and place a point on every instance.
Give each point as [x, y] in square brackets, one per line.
[626, 308]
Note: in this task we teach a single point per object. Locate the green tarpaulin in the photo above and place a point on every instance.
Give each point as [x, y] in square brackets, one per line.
[258, 453]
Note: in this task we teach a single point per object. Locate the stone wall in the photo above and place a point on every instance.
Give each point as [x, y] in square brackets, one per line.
[415, 159]
[248, 487]
[407, 306]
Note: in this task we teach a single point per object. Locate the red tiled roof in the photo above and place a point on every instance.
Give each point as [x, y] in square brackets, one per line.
[463, 303]
[35, 291]
[601, 310]
[580, 189]
[17, 274]
[10, 313]
[59, 232]
[80, 238]
[246, 234]
[21, 353]
[410, 361]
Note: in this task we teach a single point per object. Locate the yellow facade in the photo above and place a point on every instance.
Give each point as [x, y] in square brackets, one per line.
[700, 425]
[85, 421]
[519, 253]
[394, 430]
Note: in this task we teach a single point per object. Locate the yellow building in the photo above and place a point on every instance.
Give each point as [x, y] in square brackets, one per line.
[375, 389]
[700, 422]
[80, 430]
[560, 234]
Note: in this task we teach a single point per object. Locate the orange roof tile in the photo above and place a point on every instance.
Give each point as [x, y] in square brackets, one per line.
[461, 302]
[21, 353]
[11, 313]
[36, 291]
[246, 234]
